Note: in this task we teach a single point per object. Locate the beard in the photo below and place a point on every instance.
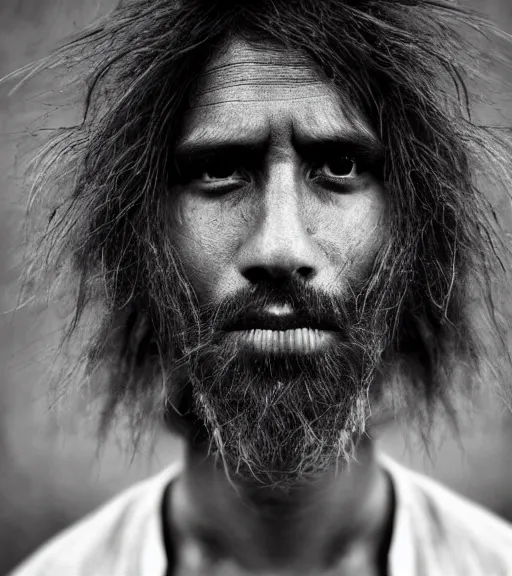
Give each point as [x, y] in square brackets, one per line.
[279, 418]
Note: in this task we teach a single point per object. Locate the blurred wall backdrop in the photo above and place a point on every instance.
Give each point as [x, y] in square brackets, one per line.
[51, 471]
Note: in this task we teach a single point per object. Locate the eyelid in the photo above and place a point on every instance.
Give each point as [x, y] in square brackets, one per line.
[195, 166]
[243, 155]
[321, 164]
[368, 157]
[196, 169]
[237, 175]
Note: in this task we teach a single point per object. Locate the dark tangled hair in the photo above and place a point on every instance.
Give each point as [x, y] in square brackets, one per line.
[409, 66]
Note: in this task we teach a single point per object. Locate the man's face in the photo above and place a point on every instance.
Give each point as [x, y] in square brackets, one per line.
[278, 217]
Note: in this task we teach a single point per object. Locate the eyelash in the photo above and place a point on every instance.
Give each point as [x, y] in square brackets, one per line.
[243, 172]
[325, 164]
[203, 166]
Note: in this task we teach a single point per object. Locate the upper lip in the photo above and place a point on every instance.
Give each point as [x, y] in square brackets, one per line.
[266, 321]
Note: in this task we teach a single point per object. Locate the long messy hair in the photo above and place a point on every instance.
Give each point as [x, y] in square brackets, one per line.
[410, 66]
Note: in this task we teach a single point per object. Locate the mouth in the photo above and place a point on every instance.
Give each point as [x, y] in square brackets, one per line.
[303, 340]
[271, 332]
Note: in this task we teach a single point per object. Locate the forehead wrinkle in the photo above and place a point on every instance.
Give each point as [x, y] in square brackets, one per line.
[249, 85]
[244, 73]
[311, 119]
[306, 106]
[210, 129]
[256, 92]
[264, 54]
[241, 72]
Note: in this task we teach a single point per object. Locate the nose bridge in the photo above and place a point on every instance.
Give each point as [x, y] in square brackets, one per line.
[281, 219]
[279, 243]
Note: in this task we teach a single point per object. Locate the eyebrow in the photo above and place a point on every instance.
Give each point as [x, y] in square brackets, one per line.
[355, 142]
[205, 146]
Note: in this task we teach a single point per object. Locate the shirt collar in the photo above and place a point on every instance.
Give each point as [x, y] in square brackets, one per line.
[402, 553]
[402, 559]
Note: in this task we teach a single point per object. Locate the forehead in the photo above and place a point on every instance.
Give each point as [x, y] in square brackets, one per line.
[246, 73]
[250, 91]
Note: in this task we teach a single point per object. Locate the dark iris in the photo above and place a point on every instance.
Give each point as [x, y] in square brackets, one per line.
[334, 168]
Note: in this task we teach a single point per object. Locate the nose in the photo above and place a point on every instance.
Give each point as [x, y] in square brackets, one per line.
[279, 245]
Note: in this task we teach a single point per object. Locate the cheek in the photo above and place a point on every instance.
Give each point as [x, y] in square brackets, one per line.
[206, 239]
[352, 233]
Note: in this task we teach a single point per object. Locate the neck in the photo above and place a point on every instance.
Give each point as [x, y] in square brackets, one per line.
[341, 518]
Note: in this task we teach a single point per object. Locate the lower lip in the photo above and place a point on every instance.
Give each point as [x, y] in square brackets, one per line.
[298, 340]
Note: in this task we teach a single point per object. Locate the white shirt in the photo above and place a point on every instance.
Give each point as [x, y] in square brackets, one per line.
[435, 533]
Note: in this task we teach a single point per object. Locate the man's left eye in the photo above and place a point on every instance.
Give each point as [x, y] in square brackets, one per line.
[341, 167]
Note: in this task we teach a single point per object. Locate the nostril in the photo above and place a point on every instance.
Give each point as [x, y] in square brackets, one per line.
[259, 274]
[305, 272]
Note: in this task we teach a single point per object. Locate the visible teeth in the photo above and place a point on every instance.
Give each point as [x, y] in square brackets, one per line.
[305, 339]
[282, 343]
[298, 339]
[294, 340]
[268, 339]
[258, 339]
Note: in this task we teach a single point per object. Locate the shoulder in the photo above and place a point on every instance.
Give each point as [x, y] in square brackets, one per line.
[116, 540]
[450, 532]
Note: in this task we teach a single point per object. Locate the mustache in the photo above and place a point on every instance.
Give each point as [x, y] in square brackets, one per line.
[306, 307]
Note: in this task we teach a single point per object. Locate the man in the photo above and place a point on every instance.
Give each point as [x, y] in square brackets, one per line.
[283, 212]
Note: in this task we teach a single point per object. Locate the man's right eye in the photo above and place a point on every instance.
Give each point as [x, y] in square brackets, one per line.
[219, 172]
[214, 172]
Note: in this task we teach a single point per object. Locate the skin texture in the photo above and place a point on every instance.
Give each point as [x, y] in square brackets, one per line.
[282, 223]
[275, 214]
